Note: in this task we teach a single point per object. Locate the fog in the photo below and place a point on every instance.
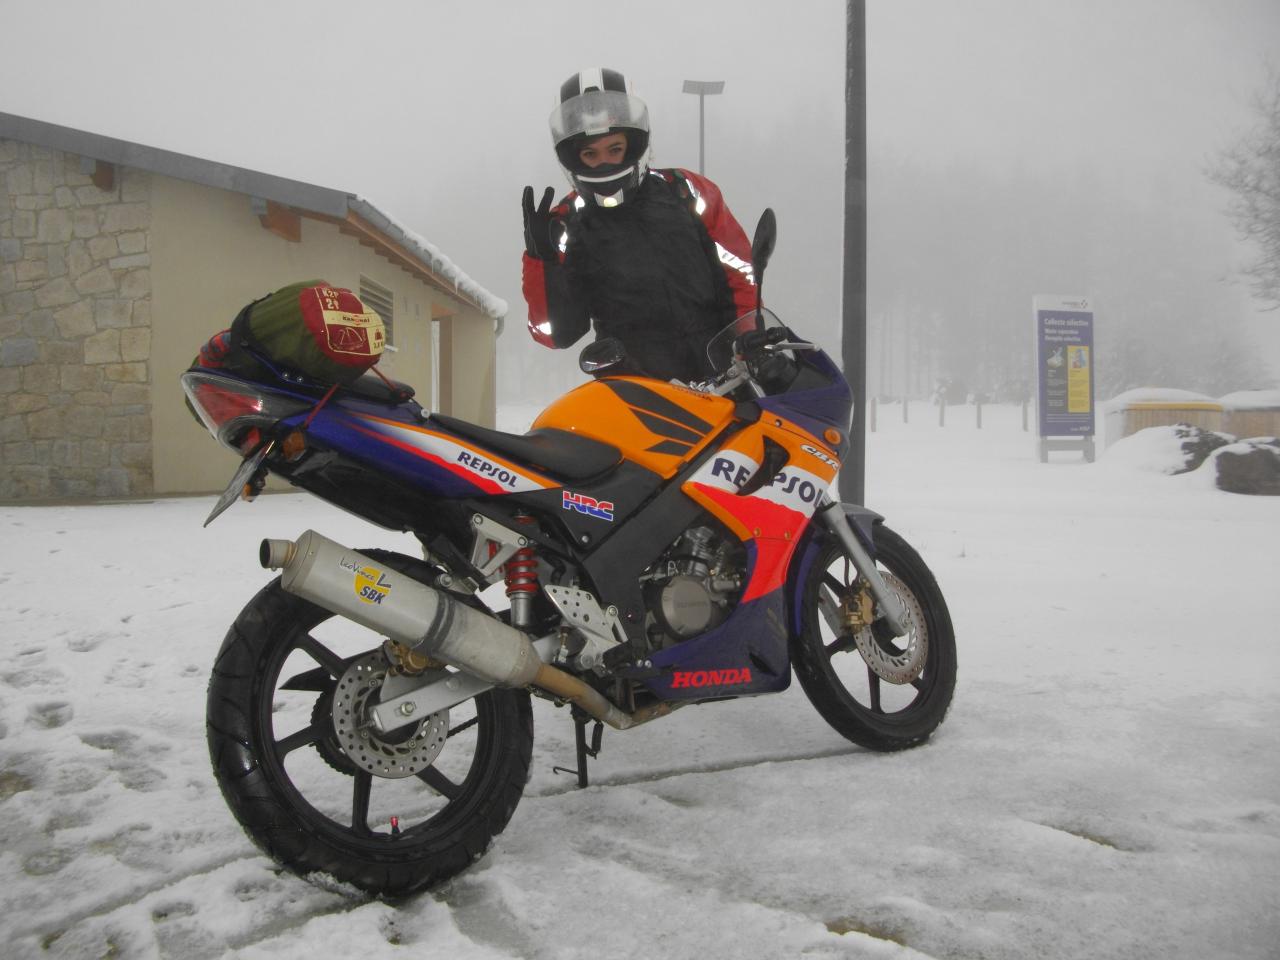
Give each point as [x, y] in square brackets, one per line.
[1016, 147]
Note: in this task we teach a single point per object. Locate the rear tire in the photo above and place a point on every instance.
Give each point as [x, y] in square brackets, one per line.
[305, 803]
[853, 693]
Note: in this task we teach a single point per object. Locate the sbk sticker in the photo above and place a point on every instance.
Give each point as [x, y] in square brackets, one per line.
[371, 584]
[600, 509]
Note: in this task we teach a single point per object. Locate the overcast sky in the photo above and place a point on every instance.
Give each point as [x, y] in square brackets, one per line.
[436, 111]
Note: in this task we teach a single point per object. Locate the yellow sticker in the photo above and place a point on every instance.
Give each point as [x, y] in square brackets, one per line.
[371, 585]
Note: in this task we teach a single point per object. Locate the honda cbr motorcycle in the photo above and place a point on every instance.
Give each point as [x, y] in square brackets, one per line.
[659, 545]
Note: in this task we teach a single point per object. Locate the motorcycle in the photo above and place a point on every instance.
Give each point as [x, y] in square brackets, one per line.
[660, 545]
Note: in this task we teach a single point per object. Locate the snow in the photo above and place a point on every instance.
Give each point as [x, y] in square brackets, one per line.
[1239, 400]
[1155, 450]
[1251, 400]
[1106, 785]
[1156, 395]
[493, 305]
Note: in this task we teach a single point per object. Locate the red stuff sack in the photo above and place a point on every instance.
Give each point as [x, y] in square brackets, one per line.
[313, 328]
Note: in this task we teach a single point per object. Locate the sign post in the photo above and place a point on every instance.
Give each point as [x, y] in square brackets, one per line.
[1064, 372]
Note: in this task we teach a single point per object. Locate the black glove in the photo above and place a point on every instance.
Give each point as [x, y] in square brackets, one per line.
[537, 225]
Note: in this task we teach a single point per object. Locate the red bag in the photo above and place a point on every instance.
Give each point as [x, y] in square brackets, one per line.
[313, 328]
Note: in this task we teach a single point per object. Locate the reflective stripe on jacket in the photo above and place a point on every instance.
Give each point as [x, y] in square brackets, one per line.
[663, 273]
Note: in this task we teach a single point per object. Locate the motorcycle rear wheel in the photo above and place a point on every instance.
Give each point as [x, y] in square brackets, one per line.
[889, 693]
[305, 803]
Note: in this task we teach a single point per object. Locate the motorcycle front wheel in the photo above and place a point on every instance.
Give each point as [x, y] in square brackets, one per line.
[882, 692]
[388, 814]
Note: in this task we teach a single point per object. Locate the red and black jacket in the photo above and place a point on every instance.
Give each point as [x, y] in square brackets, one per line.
[663, 272]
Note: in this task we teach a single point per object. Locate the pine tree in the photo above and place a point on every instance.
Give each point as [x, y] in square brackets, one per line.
[1250, 169]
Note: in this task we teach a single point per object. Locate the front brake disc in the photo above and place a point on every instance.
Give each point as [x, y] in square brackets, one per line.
[897, 659]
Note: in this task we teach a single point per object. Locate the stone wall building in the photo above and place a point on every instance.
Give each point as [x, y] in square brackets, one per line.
[117, 261]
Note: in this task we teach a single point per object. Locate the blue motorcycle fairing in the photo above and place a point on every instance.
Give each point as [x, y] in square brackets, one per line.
[862, 521]
[745, 655]
[418, 452]
[817, 409]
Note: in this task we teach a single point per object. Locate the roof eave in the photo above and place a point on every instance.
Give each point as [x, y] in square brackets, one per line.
[363, 217]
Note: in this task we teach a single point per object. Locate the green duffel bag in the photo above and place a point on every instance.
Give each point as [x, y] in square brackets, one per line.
[313, 328]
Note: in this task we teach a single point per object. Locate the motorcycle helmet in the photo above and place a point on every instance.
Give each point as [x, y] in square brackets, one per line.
[595, 102]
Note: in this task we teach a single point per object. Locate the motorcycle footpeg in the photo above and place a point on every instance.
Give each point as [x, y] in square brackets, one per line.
[639, 670]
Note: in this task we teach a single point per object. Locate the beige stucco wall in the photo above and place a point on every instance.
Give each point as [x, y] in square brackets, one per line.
[107, 292]
[210, 256]
[472, 388]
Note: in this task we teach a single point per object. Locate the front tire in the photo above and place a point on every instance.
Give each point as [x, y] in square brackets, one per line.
[882, 693]
[301, 798]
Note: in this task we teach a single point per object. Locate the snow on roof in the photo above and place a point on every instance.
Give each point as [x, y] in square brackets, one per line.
[253, 183]
[1156, 395]
[1240, 400]
[492, 305]
[1251, 400]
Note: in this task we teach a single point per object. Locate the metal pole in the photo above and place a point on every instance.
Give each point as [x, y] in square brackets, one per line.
[702, 133]
[704, 89]
[854, 327]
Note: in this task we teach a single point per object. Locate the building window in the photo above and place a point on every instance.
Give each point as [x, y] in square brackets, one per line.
[382, 301]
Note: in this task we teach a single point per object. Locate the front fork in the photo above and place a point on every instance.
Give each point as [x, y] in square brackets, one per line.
[890, 609]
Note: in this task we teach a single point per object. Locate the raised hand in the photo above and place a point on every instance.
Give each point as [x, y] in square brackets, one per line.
[537, 225]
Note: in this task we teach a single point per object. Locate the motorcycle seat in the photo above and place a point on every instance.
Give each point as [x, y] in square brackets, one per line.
[561, 453]
[369, 386]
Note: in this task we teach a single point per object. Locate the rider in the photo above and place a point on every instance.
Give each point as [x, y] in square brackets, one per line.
[654, 257]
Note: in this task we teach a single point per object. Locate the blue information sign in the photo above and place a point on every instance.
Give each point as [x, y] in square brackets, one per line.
[1065, 363]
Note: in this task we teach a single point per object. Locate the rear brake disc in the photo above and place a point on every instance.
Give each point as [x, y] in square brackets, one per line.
[398, 753]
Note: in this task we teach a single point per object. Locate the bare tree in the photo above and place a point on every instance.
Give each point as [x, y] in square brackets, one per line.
[1250, 169]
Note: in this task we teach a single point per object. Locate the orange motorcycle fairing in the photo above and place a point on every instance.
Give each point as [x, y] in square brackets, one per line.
[769, 512]
[656, 425]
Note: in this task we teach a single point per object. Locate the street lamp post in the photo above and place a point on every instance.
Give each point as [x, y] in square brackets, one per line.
[704, 89]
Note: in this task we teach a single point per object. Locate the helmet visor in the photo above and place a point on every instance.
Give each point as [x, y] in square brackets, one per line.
[595, 113]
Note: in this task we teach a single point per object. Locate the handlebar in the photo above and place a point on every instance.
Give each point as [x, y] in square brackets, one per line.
[754, 340]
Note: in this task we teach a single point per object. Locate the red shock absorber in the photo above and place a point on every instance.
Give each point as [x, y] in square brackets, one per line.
[521, 576]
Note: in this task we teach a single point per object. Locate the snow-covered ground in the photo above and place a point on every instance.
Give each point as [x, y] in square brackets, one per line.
[1107, 783]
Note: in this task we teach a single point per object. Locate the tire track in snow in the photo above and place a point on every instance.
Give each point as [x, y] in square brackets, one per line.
[129, 898]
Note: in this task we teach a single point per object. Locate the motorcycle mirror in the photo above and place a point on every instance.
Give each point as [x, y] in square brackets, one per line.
[762, 244]
[601, 355]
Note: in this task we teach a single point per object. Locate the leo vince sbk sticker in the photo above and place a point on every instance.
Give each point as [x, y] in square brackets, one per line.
[371, 584]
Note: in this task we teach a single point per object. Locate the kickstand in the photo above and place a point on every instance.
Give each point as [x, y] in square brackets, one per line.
[580, 721]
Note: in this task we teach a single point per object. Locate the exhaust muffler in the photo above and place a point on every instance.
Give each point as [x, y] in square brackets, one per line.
[429, 622]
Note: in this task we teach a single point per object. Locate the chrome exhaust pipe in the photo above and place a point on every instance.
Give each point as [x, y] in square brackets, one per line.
[429, 622]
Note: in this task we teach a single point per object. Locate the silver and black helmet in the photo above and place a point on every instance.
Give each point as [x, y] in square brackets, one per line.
[595, 102]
